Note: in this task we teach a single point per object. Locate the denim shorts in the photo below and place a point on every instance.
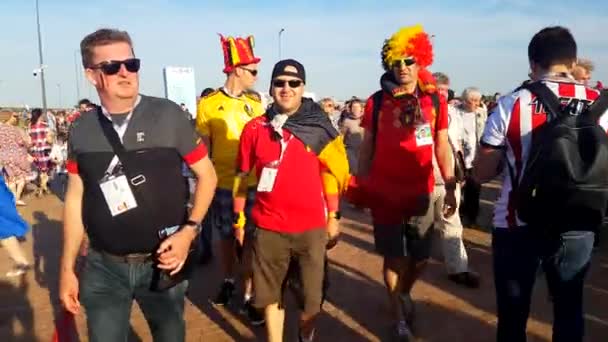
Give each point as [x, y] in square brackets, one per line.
[221, 213]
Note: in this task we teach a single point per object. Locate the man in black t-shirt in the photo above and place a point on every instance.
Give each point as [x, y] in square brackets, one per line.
[127, 202]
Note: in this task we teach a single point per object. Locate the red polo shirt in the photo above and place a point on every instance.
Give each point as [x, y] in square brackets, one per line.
[295, 203]
[402, 168]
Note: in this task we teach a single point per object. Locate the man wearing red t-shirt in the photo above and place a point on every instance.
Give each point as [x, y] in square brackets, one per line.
[396, 164]
[301, 167]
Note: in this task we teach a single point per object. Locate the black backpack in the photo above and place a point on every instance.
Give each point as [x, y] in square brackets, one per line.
[564, 185]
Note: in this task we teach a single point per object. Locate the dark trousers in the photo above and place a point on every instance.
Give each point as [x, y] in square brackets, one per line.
[107, 290]
[565, 260]
[471, 192]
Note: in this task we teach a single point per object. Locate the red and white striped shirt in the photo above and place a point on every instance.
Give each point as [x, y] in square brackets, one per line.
[512, 125]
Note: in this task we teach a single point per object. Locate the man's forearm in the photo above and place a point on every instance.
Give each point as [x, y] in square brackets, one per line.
[73, 234]
[487, 164]
[203, 195]
[445, 161]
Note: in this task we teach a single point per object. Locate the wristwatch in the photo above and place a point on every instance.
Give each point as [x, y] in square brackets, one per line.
[194, 225]
[450, 186]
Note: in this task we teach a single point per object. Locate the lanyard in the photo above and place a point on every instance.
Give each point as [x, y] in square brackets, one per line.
[120, 130]
[284, 145]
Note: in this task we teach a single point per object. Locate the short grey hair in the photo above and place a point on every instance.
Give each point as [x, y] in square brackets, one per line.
[586, 64]
[327, 100]
[469, 92]
[441, 78]
[101, 37]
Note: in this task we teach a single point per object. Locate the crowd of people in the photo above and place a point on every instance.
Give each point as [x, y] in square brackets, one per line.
[271, 180]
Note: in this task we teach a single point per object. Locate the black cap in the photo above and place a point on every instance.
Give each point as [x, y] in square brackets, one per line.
[282, 68]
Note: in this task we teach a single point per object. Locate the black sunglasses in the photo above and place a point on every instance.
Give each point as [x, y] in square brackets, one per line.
[405, 61]
[113, 67]
[253, 73]
[292, 83]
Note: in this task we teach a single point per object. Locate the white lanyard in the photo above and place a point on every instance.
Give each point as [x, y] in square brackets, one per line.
[284, 145]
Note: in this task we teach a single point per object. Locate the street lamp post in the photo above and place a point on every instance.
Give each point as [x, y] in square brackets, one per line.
[60, 97]
[42, 84]
[280, 34]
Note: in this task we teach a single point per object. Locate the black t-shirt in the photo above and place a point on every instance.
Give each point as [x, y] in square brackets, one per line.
[158, 139]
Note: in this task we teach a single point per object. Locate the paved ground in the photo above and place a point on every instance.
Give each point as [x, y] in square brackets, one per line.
[355, 310]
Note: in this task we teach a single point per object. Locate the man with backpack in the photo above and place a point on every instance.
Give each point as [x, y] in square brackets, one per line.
[405, 125]
[549, 134]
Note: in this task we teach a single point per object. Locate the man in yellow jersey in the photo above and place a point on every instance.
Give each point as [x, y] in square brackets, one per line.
[220, 121]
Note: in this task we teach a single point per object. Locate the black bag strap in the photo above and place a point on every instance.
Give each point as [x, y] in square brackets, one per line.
[377, 102]
[599, 107]
[112, 137]
[134, 178]
[546, 97]
[436, 104]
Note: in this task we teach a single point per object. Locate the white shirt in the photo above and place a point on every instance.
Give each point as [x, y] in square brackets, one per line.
[59, 155]
[455, 134]
[469, 137]
[512, 126]
[455, 128]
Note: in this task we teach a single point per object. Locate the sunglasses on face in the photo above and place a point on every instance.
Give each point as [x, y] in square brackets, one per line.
[292, 83]
[253, 72]
[113, 67]
[404, 62]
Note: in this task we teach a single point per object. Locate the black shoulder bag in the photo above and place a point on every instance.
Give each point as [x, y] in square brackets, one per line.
[161, 280]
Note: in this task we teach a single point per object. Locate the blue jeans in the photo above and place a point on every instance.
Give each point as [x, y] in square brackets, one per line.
[221, 213]
[565, 260]
[107, 290]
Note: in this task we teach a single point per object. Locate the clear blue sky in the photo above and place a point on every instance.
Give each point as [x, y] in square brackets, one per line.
[480, 43]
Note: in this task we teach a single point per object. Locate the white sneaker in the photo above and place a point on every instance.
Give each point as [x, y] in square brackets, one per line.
[18, 270]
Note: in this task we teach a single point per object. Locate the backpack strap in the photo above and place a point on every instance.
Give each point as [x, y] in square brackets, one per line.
[377, 102]
[437, 106]
[546, 97]
[599, 107]
[436, 103]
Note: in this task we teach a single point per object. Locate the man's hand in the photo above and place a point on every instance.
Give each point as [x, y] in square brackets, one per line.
[239, 227]
[333, 231]
[173, 251]
[68, 291]
[449, 203]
